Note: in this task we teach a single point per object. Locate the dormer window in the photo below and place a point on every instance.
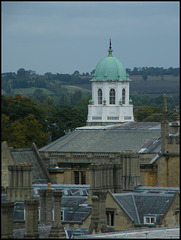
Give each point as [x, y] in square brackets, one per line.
[149, 220]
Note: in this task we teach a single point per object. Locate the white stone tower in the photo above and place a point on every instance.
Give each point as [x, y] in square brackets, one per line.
[110, 101]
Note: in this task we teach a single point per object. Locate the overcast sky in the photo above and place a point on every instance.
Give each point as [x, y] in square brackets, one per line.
[61, 37]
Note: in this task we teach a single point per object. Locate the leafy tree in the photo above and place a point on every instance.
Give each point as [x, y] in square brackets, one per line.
[82, 107]
[21, 73]
[63, 120]
[26, 131]
[76, 73]
[143, 112]
[20, 107]
[76, 97]
[155, 117]
[5, 127]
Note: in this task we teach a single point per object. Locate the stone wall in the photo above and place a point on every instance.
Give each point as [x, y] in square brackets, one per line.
[172, 216]
[6, 159]
[169, 171]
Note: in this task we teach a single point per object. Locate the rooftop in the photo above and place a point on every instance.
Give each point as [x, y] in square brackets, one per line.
[129, 136]
[158, 233]
[31, 156]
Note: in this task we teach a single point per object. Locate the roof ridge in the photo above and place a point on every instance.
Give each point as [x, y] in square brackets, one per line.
[121, 205]
[136, 210]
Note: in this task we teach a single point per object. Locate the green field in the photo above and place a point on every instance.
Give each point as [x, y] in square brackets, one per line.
[30, 91]
[154, 86]
[73, 89]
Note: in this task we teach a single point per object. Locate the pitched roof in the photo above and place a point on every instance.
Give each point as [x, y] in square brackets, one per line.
[74, 204]
[75, 208]
[31, 156]
[74, 200]
[138, 205]
[129, 136]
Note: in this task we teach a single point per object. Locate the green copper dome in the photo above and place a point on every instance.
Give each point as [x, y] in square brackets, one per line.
[110, 68]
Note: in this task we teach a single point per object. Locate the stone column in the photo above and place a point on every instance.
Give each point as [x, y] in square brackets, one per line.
[164, 125]
[25, 179]
[46, 205]
[118, 183]
[10, 178]
[7, 220]
[102, 207]
[19, 171]
[111, 187]
[42, 206]
[49, 194]
[95, 218]
[92, 181]
[15, 175]
[57, 230]
[31, 219]
[20, 183]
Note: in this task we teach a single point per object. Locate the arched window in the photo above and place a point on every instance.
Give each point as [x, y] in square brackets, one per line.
[123, 96]
[99, 96]
[112, 96]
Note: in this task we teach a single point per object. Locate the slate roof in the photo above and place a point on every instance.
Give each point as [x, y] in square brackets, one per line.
[44, 231]
[75, 208]
[74, 232]
[138, 205]
[31, 156]
[74, 200]
[152, 146]
[145, 189]
[67, 189]
[129, 136]
[149, 233]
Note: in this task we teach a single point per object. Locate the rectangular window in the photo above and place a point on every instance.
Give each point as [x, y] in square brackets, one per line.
[96, 118]
[127, 118]
[149, 220]
[62, 215]
[79, 177]
[110, 218]
[83, 177]
[112, 118]
[76, 177]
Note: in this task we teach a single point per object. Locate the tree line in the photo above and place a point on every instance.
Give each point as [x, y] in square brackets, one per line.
[28, 78]
[24, 121]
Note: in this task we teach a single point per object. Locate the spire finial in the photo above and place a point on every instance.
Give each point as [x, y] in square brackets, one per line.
[110, 49]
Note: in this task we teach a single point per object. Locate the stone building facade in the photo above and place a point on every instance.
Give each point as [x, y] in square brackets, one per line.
[20, 182]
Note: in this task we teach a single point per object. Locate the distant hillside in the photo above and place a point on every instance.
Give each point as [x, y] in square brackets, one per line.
[151, 81]
[155, 85]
